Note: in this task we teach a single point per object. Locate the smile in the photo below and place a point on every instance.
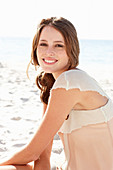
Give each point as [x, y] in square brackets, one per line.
[50, 61]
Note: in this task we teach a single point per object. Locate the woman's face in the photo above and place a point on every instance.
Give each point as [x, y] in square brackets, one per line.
[51, 52]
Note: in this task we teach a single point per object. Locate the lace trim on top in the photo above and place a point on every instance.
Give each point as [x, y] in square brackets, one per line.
[79, 118]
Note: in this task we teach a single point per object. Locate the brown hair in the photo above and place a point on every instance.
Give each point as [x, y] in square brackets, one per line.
[44, 80]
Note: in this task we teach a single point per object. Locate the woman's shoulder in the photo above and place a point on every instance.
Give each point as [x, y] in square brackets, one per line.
[72, 72]
[70, 79]
[75, 73]
[77, 79]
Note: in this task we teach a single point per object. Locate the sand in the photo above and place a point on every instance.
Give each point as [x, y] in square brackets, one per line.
[21, 109]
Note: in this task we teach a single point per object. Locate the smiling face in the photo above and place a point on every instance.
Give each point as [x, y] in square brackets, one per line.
[51, 52]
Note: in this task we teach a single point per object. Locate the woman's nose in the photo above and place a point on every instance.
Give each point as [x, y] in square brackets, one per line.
[50, 51]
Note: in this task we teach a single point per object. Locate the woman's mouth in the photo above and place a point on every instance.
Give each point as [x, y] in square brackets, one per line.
[50, 61]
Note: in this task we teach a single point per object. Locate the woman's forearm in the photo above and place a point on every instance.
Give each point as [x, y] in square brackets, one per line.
[26, 155]
[44, 161]
[22, 157]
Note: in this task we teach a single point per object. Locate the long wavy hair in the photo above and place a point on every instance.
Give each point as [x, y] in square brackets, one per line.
[45, 81]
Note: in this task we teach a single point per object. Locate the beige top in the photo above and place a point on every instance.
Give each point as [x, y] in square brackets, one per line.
[87, 135]
[80, 79]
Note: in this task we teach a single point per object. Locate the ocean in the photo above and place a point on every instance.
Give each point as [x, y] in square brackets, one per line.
[92, 52]
[96, 56]
[15, 49]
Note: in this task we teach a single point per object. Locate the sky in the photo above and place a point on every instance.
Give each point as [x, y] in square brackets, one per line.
[91, 18]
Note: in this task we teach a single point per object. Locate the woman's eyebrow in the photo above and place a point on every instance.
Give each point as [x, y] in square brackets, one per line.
[59, 42]
[43, 40]
[56, 41]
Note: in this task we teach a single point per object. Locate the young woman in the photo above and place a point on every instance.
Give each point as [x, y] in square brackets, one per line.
[74, 106]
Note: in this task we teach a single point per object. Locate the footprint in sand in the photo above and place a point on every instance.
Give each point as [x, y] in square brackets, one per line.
[16, 118]
[24, 99]
[19, 145]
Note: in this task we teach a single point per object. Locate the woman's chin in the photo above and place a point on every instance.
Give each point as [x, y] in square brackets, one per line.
[47, 70]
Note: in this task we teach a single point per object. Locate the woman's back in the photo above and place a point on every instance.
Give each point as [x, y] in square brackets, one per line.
[87, 133]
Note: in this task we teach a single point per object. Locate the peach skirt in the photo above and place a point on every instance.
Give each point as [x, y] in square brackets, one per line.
[90, 148]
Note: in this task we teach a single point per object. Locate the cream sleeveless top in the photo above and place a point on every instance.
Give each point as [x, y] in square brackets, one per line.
[78, 118]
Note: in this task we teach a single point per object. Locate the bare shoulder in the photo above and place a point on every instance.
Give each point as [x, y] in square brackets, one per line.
[63, 99]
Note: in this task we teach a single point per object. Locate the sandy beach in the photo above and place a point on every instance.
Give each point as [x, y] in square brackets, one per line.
[21, 109]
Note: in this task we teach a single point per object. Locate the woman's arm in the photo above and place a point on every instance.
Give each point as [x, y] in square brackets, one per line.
[60, 104]
[44, 161]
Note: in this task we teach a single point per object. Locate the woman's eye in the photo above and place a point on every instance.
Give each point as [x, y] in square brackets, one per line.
[42, 44]
[59, 45]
